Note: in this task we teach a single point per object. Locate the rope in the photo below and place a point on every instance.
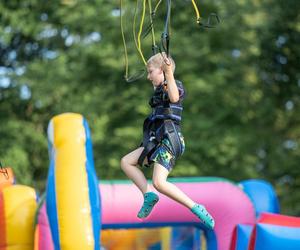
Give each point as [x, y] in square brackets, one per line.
[198, 17]
[139, 48]
[154, 47]
[137, 44]
[156, 6]
[134, 25]
[208, 23]
[165, 36]
[124, 41]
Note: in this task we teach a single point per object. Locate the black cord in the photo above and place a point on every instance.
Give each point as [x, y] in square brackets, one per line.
[210, 23]
[165, 37]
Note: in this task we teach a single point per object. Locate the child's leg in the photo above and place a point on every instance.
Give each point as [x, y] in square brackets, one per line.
[129, 164]
[160, 182]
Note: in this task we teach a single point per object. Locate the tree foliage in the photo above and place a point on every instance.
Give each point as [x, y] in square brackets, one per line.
[241, 117]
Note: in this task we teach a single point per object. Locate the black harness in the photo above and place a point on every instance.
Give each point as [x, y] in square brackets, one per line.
[163, 122]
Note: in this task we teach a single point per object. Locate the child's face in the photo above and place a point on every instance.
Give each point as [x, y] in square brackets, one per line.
[155, 75]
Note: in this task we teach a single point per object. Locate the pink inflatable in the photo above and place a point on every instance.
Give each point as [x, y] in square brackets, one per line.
[228, 204]
[43, 238]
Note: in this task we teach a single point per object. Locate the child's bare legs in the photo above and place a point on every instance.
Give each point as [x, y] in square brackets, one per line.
[129, 164]
[160, 183]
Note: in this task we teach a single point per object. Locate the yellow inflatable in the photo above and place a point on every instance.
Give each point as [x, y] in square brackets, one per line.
[17, 210]
[135, 239]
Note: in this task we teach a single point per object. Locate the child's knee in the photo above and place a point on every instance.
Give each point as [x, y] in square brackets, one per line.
[158, 184]
[123, 162]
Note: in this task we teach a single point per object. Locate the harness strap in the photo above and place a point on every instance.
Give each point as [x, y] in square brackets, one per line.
[168, 112]
[147, 131]
[149, 147]
[173, 137]
[151, 138]
[150, 143]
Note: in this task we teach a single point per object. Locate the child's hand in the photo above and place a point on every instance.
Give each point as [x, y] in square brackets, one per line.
[167, 65]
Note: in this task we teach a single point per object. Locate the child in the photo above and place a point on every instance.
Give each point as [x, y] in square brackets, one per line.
[163, 142]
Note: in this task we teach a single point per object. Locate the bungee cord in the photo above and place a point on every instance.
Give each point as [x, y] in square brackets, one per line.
[211, 22]
[137, 43]
[199, 19]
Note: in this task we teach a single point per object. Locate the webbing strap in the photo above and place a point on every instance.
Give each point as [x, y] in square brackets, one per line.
[170, 131]
[167, 111]
[173, 137]
[149, 147]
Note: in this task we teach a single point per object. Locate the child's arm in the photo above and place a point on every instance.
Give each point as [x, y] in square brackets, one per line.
[172, 87]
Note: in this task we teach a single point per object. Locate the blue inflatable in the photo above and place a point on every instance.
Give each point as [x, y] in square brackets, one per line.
[262, 195]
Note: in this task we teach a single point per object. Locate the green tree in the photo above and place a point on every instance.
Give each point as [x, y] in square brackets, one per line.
[242, 105]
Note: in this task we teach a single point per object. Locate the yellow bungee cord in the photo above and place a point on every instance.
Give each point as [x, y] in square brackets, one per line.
[197, 12]
[165, 35]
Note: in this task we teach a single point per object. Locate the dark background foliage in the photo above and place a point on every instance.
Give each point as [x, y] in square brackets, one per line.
[241, 117]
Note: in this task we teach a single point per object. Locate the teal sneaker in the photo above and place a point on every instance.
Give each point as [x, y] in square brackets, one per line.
[150, 199]
[203, 215]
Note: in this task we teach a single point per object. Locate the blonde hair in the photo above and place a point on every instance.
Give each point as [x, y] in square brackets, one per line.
[157, 60]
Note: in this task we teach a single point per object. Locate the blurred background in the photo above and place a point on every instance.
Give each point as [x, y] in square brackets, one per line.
[241, 113]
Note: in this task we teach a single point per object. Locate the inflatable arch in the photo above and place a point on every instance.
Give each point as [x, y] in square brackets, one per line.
[72, 196]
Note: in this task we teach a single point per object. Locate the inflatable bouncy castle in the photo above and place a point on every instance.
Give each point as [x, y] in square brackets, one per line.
[78, 211]
[17, 210]
[275, 232]
[72, 197]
